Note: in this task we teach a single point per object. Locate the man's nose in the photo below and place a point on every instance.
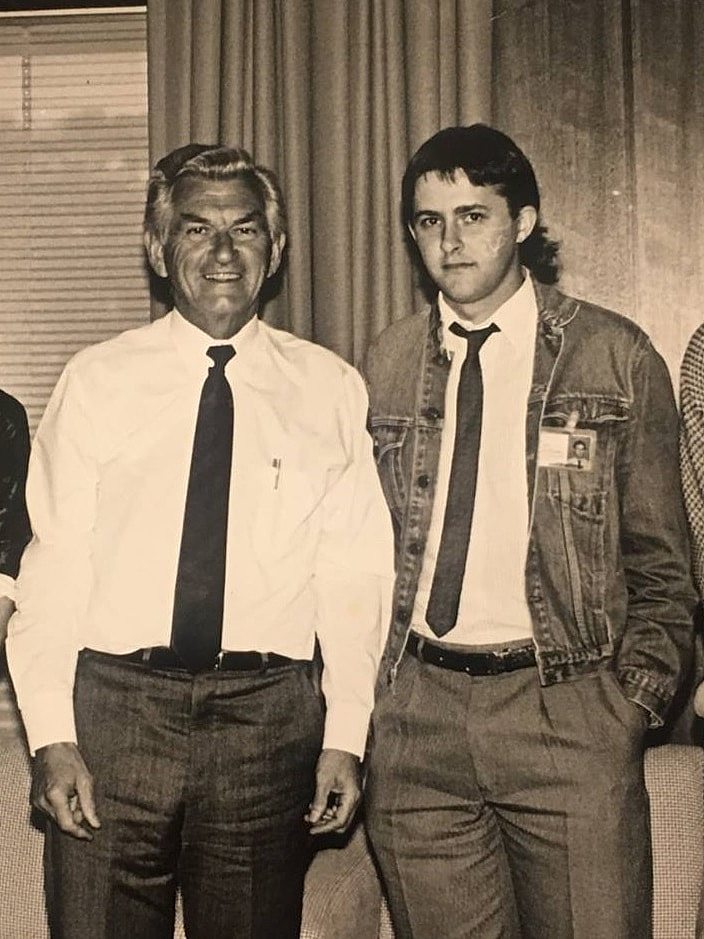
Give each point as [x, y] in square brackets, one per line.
[224, 249]
[451, 240]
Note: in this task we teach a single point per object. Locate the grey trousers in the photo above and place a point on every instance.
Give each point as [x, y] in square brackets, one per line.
[201, 783]
[498, 808]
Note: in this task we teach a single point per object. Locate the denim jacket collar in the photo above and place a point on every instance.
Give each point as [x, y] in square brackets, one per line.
[555, 311]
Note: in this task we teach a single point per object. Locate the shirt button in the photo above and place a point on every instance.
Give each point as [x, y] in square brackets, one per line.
[423, 481]
[431, 413]
[403, 615]
[415, 548]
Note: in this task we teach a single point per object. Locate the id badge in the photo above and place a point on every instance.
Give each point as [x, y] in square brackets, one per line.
[567, 447]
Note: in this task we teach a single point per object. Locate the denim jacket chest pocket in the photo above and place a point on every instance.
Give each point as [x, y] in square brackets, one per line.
[576, 514]
[392, 438]
[406, 450]
[601, 421]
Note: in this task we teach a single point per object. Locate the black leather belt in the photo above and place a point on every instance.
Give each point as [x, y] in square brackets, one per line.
[473, 663]
[163, 657]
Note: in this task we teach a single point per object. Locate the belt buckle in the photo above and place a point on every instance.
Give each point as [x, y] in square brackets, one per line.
[495, 664]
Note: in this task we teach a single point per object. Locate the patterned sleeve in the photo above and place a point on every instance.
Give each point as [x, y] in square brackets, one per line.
[692, 448]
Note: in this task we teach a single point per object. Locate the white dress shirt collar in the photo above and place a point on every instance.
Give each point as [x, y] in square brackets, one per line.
[192, 343]
[515, 318]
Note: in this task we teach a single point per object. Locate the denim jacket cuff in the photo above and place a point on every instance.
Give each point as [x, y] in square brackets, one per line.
[637, 686]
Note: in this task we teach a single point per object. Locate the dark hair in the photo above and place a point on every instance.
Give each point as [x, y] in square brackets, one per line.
[488, 158]
[210, 161]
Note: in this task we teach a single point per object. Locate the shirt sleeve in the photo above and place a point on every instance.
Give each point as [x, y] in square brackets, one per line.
[14, 523]
[692, 449]
[7, 587]
[656, 646]
[354, 579]
[55, 574]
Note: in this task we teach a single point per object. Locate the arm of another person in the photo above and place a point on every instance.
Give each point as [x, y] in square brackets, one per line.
[692, 462]
[354, 584]
[654, 545]
[52, 589]
[14, 521]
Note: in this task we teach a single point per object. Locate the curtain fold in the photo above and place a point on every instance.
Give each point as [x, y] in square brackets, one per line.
[334, 96]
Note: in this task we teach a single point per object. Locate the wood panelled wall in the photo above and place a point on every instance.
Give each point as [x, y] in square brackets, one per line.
[607, 98]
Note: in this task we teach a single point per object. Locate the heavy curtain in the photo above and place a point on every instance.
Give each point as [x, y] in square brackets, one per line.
[334, 96]
[605, 96]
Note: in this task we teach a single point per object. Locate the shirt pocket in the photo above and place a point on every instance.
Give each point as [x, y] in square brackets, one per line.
[286, 492]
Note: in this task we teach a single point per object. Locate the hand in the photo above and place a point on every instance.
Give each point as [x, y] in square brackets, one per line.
[699, 700]
[62, 788]
[338, 792]
[7, 608]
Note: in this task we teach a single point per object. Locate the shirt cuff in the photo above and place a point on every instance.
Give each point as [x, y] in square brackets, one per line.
[346, 727]
[7, 587]
[49, 719]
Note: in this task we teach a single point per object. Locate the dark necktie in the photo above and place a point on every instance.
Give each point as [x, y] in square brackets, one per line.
[196, 633]
[444, 601]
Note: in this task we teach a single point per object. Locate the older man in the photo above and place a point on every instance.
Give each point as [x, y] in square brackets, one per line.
[205, 504]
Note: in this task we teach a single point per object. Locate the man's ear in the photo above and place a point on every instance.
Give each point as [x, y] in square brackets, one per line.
[527, 218]
[277, 252]
[155, 252]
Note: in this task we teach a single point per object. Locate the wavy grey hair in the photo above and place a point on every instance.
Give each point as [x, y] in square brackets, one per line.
[210, 161]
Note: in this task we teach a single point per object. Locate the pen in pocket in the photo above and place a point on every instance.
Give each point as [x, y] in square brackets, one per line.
[276, 466]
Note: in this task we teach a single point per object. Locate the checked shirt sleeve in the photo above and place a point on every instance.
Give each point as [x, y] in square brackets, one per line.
[692, 449]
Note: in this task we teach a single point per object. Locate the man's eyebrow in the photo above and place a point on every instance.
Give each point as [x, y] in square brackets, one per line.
[192, 217]
[458, 210]
[462, 209]
[254, 216]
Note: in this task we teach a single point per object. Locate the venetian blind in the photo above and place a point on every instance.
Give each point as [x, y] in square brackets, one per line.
[73, 169]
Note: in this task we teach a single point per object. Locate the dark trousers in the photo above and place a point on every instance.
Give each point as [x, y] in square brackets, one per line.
[498, 808]
[200, 782]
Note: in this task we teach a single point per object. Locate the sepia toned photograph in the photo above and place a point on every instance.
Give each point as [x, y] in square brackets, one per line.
[352, 469]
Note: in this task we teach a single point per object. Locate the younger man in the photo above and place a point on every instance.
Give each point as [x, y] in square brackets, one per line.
[542, 611]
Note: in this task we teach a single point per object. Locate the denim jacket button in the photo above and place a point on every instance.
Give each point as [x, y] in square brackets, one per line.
[415, 548]
[423, 481]
[432, 414]
[403, 615]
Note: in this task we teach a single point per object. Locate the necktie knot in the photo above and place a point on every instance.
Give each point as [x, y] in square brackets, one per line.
[220, 355]
[475, 337]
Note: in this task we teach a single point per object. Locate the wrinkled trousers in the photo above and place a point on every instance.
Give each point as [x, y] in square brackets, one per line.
[500, 809]
[201, 783]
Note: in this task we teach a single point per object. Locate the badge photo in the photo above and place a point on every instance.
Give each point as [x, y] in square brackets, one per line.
[567, 447]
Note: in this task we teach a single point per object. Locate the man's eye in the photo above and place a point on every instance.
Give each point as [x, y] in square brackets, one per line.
[474, 217]
[427, 222]
[195, 230]
[246, 231]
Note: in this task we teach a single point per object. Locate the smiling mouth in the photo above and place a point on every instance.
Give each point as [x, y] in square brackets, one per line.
[223, 277]
[458, 266]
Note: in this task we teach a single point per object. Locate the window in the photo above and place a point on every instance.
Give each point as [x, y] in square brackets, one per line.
[73, 170]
